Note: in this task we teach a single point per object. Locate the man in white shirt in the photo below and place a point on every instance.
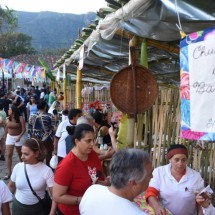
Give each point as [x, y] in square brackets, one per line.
[61, 133]
[130, 172]
[42, 94]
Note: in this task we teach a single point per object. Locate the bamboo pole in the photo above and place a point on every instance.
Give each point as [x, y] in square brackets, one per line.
[155, 125]
[52, 85]
[158, 44]
[144, 54]
[178, 128]
[162, 112]
[166, 112]
[78, 89]
[130, 134]
[131, 126]
[140, 117]
[213, 166]
[211, 162]
[58, 86]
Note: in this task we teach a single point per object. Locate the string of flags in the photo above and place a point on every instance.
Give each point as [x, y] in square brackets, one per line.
[23, 70]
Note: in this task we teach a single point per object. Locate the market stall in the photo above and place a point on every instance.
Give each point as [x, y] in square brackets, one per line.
[153, 23]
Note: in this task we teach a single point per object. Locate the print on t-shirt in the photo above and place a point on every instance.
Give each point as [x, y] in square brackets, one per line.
[93, 174]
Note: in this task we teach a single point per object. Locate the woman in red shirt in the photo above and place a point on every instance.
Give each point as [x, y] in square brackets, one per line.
[77, 171]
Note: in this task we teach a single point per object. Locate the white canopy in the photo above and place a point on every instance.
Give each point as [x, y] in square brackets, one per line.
[6, 75]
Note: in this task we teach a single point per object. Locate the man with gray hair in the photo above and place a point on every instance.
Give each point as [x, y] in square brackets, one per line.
[85, 119]
[130, 172]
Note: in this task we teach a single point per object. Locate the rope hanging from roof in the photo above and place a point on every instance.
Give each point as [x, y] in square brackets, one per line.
[179, 26]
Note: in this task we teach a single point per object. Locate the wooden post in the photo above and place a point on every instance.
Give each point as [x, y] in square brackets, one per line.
[78, 89]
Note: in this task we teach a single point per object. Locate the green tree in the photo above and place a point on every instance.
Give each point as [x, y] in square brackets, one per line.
[7, 20]
[13, 44]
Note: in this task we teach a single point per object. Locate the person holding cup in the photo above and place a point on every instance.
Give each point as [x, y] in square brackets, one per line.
[173, 186]
[205, 202]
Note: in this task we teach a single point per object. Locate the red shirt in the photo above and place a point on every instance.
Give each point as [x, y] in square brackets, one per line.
[75, 174]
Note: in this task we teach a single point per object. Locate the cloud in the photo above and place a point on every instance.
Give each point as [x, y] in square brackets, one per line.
[62, 6]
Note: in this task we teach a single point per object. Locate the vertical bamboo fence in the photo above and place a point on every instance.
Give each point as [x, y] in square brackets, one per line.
[162, 128]
[70, 90]
[102, 95]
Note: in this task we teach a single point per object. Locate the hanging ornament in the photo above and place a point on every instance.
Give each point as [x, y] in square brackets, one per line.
[64, 71]
[58, 75]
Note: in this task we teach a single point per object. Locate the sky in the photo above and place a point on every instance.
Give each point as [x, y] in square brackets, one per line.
[61, 6]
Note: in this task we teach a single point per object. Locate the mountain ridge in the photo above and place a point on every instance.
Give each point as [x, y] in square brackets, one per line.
[52, 30]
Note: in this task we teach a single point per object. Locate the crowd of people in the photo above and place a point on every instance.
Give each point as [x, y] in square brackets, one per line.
[78, 185]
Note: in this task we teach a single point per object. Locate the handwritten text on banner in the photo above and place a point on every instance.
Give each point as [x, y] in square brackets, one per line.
[197, 85]
[202, 85]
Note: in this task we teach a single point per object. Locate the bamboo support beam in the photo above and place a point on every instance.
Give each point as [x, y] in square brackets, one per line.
[158, 44]
[85, 75]
[78, 89]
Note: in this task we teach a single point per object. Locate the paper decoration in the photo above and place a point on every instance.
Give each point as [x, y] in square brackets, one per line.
[58, 75]
[197, 68]
[81, 58]
[22, 70]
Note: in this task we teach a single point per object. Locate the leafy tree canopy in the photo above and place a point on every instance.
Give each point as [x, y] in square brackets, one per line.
[13, 44]
[7, 20]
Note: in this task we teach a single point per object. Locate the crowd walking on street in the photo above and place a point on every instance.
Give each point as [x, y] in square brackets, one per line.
[58, 166]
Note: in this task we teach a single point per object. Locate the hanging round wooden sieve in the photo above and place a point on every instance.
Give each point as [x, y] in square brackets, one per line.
[133, 89]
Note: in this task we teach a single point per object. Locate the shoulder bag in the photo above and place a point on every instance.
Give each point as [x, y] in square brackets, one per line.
[46, 202]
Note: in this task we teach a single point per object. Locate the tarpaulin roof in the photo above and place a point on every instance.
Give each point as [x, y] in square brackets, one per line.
[107, 49]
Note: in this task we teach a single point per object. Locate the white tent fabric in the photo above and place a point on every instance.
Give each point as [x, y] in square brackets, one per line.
[6, 75]
[114, 21]
[107, 52]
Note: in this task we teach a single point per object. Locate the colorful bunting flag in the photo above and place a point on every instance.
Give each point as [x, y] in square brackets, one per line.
[22, 70]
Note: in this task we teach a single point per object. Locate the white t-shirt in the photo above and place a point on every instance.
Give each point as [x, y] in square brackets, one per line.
[177, 197]
[209, 210]
[42, 94]
[98, 200]
[64, 117]
[62, 134]
[5, 194]
[40, 176]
